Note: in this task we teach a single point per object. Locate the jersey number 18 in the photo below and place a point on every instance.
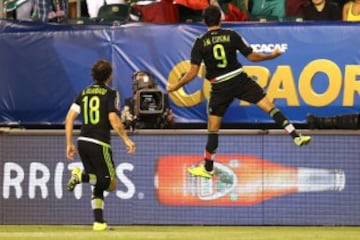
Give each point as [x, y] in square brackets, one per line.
[91, 109]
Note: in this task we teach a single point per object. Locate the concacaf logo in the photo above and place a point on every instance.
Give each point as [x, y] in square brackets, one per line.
[269, 47]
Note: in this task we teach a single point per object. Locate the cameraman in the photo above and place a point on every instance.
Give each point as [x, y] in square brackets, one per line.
[149, 107]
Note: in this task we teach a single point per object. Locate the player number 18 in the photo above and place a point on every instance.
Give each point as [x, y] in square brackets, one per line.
[91, 109]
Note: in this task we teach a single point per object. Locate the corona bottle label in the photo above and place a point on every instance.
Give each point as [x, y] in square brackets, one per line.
[238, 180]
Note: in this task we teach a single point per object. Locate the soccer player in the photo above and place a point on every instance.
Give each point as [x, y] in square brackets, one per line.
[218, 48]
[99, 106]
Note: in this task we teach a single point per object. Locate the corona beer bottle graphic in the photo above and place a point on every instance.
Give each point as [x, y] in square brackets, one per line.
[239, 180]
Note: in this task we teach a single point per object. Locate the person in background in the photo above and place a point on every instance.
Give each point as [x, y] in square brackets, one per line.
[50, 10]
[24, 9]
[295, 8]
[142, 80]
[268, 8]
[93, 6]
[217, 48]
[99, 106]
[19, 9]
[38, 10]
[351, 11]
[322, 10]
[9, 9]
[232, 10]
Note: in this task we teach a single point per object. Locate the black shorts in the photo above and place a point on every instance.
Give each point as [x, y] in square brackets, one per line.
[241, 87]
[97, 159]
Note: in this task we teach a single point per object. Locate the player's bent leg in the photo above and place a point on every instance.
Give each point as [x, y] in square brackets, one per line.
[282, 120]
[97, 205]
[207, 171]
[265, 104]
[74, 180]
[214, 123]
[113, 185]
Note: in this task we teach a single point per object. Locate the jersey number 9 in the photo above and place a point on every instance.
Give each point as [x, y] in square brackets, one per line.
[220, 55]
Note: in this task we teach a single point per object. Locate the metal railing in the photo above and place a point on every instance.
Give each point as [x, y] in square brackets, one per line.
[19, 131]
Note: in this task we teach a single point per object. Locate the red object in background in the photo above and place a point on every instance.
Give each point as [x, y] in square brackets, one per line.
[235, 14]
[295, 7]
[193, 4]
[239, 180]
[158, 12]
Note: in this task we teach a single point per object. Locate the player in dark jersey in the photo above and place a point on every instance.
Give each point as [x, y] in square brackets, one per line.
[217, 48]
[99, 106]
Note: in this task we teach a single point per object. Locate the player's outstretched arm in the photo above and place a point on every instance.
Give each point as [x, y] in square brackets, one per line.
[117, 125]
[189, 76]
[257, 57]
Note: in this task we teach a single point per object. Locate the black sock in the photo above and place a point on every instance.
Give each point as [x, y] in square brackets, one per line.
[97, 204]
[210, 150]
[281, 120]
[209, 165]
[85, 178]
[98, 215]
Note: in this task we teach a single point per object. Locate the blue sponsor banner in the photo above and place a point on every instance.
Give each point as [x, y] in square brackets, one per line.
[259, 180]
[44, 66]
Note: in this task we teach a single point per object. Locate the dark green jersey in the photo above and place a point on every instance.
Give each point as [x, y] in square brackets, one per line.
[218, 49]
[96, 102]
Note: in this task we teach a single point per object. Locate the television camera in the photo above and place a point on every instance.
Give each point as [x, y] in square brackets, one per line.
[149, 100]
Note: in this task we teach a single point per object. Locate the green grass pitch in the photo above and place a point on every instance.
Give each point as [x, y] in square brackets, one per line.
[156, 232]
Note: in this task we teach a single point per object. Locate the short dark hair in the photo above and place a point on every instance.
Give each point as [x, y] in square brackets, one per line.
[101, 71]
[212, 16]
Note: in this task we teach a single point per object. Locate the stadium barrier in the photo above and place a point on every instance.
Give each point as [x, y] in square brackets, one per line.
[262, 178]
[310, 77]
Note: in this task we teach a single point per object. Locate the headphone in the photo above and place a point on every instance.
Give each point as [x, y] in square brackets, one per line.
[141, 83]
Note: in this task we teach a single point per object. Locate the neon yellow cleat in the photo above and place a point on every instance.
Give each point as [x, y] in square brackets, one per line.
[98, 227]
[302, 140]
[74, 180]
[201, 172]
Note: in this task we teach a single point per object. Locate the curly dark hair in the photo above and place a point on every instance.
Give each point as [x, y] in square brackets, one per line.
[101, 71]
